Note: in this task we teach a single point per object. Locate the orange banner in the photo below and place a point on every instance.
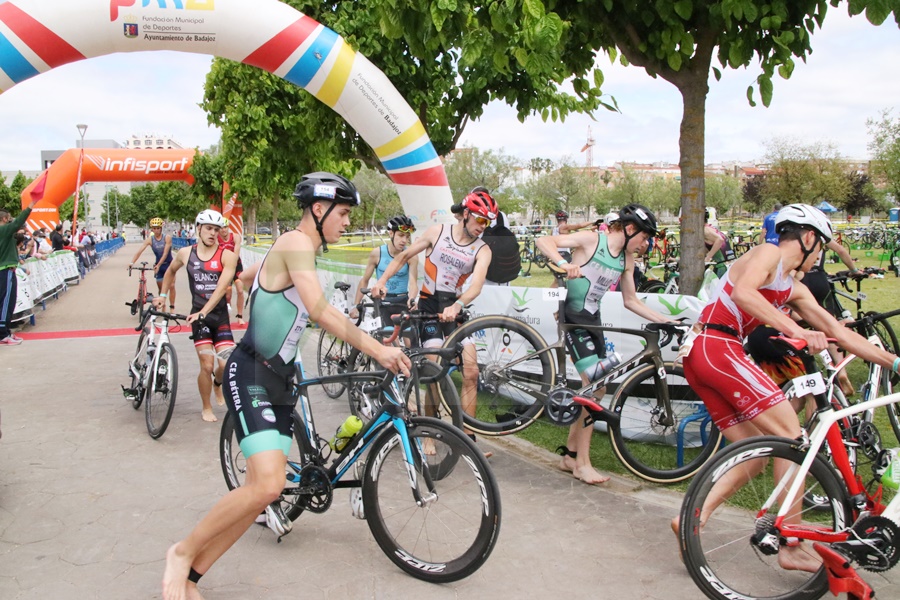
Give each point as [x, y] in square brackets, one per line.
[56, 184]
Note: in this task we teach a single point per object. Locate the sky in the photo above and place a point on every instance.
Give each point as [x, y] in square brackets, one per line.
[851, 76]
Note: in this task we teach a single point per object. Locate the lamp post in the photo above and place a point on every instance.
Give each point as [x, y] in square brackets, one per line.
[82, 128]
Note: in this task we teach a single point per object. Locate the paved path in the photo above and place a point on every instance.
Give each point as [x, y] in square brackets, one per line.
[89, 503]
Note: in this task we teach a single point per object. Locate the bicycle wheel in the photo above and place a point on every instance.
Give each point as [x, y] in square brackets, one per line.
[540, 259]
[717, 538]
[234, 464]
[163, 388]
[525, 258]
[136, 370]
[889, 379]
[654, 445]
[453, 531]
[652, 286]
[331, 356]
[515, 373]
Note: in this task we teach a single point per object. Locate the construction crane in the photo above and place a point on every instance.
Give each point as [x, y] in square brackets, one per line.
[589, 148]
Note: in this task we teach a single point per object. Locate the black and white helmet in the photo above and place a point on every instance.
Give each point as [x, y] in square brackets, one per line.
[642, 217]
[325, 186]
[210, 217]
[804, 215]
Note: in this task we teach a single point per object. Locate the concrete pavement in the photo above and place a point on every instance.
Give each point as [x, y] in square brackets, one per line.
[89, 503]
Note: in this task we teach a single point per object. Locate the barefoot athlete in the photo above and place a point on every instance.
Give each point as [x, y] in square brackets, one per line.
[210, 271]
[599, 260]
[162, 250]
[259, 374]
[743, 401]
[456, 253]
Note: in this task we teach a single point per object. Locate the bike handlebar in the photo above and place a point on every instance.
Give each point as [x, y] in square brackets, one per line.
[407, 316]
[152, 312]
[843, 277]
[143, 267]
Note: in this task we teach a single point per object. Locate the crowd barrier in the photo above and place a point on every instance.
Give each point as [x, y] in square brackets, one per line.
[40, 280]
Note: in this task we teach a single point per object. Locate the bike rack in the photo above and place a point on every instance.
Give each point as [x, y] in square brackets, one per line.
[701, 415]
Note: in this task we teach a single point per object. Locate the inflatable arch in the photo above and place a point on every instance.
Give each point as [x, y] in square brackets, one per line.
[36, 36]
[57, 183]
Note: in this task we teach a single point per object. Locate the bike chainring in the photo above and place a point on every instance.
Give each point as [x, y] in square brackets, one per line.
[560, 406]
[873, 543]
[315, 491]
[869, 439]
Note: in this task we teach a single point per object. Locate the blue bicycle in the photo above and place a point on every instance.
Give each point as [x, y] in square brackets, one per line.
[426, 491]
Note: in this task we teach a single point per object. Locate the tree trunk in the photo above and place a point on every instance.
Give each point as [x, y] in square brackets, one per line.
[275, 230]
[694, 89]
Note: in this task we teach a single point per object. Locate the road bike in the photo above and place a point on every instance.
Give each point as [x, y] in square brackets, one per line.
[428, 494]
[143, 296]
[530, 254]
[738, 520]
[154, 371]
[658, 427]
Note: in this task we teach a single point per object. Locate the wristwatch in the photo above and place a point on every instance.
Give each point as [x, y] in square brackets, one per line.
[201, 316]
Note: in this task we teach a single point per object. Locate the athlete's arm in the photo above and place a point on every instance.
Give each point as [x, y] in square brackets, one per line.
[249, 274]
[630, 298]
[476, 282]
[229, 266]
[566, 228]
[427, 240]
[140, 251]
[371, 263]
[297, 255]
[549, 245]
[181, 257]
[843, 253]
[413, 279]
[714, 240]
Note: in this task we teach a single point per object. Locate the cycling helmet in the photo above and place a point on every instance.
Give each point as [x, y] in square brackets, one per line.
[611, 218]
[562, 215]
[804, 215]
[401, 223]
[156, 222]
[641, 216]
[210, 217]
[481, 204]
[325, 186]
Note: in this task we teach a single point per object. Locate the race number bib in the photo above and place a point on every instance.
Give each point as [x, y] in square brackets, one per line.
[554, 294]
[809, 384]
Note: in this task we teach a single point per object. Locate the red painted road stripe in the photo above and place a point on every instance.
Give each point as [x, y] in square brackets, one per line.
[90, 333]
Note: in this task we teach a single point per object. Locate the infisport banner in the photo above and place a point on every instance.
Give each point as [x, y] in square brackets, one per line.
[39, 35]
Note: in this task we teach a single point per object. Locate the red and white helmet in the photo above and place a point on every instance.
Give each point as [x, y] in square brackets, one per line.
[804, 215]
[481, 204]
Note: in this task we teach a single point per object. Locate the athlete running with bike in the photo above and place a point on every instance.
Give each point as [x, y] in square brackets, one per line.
[210, 270]
[599, 260]
[401, 288]
[456, 255]
[162, 250]
[758, 289]
[260, 374]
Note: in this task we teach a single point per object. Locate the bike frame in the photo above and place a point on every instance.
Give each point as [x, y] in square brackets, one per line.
[157, 335]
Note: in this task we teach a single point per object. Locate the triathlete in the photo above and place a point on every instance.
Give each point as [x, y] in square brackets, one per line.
[718, 248]
[401, 288]
[599, 260]
[759, 289]
[232, 241]
[563, 227]
[285, 293]
[162, 250]
[456, 254]
[210, 271]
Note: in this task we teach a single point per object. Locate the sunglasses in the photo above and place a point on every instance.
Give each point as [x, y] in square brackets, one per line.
[406, 229]
[482, 220]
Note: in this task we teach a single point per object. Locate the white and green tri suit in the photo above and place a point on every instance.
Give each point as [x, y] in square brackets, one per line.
[259, 375]
[583, 295]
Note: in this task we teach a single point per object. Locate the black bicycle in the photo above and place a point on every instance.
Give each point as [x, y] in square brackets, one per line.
[425, 489]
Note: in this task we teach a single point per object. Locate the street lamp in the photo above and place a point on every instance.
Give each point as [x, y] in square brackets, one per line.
[82, 128]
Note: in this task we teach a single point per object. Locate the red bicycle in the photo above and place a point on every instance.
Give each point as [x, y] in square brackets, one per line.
[143, 297]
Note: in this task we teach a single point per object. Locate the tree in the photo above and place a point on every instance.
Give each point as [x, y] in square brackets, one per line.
[468, 168]
[805, 173]
[862, 196]
[885, 148]
[379, 200]
[8, 200]
[723, 193]
[753, 193]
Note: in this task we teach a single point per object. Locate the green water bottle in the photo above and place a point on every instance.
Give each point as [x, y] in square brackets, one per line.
[891, 476]
[350, 427]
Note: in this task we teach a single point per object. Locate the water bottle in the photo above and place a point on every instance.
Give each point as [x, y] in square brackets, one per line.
[602, 366]
[890, 478]
[350, 427]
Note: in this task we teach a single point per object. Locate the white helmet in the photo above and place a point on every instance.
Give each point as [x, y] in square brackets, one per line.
[611, 218]
[807, 216]
[210, 217]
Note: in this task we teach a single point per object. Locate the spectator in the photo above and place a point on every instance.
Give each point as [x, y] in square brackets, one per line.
[506, 262]
[9, 260]
[56, 238]
[43, 247]
[769, 235]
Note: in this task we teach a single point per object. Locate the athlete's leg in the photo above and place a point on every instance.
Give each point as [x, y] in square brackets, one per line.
[206, 356]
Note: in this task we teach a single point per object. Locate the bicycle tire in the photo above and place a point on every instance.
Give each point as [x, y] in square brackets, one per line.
[652, 286]
[137, 381]
[716, 547]
[646, 446]
[525, 259]
[234, 464]
[506, 401]
[540, 259]
[331, 356]
[451, 536]
[442, 402]
[889, 379]
[160, 400]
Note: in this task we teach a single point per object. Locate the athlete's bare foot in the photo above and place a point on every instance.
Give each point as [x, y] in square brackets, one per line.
[174, 584]
[799, 558]
[589, 475]
[208, 416]
[192, 592]
[220, 399]
[567, 464]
